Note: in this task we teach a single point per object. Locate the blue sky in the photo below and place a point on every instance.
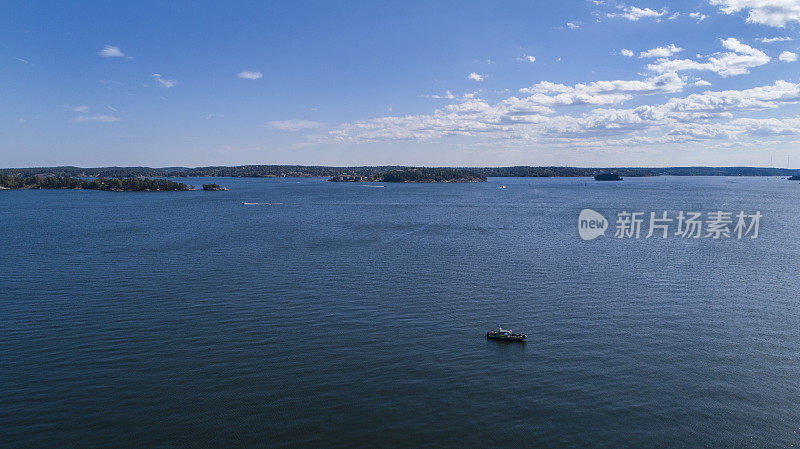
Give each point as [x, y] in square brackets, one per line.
[585, 83]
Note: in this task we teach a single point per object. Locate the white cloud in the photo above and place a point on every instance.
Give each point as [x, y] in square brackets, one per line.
[738, 61]
[775, 13]
[530, 120]
[698, 16]
[249, 75]
[447, 95]
[521, 117]
[103, 118]
[573, 25]
[80, 108]
[703, 131]
[110, 51]
[661, 52]
[164, 82]
[769, 40]
[601, 92]
[484, 121]
[702, 83]
[294, 125]
[711, 104]
[527, 58]
[788, 56]
[476, 76]
[24, 61]
[626, 52]
[635, 13]
[769, 126]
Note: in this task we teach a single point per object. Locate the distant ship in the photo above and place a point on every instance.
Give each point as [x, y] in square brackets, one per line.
[505, 334]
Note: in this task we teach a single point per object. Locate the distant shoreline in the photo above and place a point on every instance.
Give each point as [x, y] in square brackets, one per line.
[418, 175]
[307, 171]
[11, 182]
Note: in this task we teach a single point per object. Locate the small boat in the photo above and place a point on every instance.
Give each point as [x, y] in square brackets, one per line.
[505, 334]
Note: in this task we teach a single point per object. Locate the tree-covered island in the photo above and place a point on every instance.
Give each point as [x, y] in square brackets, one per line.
[607, 177]
[213, 187]
[112, 184]
[415, 174]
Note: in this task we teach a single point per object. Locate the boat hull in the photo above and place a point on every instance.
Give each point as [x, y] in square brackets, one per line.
[504, 338]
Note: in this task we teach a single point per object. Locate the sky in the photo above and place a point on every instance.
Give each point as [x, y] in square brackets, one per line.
[442, 83]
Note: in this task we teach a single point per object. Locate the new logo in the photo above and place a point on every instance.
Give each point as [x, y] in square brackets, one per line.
[591, 224]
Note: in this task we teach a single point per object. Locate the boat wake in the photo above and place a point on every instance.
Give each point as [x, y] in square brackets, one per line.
[261, 204]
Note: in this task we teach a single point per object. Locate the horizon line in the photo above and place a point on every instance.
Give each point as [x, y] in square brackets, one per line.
[643, 167]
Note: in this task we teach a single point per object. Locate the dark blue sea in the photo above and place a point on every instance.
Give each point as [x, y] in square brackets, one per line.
[340, 315]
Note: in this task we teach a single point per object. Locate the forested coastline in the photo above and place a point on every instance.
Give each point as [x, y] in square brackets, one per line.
[113, 184]
[272, 171]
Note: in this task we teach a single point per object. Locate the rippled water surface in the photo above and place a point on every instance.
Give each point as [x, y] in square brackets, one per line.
[339, 315]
